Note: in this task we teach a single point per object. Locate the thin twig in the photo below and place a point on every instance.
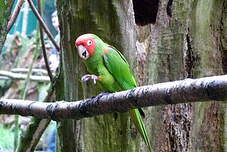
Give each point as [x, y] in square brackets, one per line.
[25, 70]
[25, 90]
[42, 23]
[30, 138]
[19, 76]
[184, 91]
[44, 48]
[4, 78]
[14, 15]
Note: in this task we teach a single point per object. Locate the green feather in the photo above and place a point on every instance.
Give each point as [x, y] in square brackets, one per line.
[118, 66]
[115, 75]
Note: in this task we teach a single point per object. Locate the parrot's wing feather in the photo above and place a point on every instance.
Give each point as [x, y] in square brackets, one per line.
[118, 66]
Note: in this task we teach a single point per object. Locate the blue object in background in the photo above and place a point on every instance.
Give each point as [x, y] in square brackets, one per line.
[26, 22]
[49, 8]
[52, 139]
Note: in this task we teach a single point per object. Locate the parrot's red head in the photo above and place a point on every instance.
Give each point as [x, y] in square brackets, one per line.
[85, 45]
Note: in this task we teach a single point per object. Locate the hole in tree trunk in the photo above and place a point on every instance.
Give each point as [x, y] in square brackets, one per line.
[145, 11]
[169, 8]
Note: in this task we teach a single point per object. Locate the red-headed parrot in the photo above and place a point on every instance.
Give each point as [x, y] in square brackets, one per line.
[108, 67]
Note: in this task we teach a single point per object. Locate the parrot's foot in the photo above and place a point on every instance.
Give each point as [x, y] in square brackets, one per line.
[89, 77]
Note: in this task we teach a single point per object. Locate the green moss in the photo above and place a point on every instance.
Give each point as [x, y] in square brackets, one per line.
[4, 13]
[205, 27]
[6, 138]
[205, 33]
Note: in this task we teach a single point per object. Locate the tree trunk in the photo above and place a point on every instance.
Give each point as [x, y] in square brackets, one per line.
[205, 33]
[186, 40]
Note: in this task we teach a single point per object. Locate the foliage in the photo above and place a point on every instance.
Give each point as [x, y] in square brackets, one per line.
[22, 52]
[5, 9]
[6, 138]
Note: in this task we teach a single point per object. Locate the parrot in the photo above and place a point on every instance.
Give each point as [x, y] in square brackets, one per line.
[110, 69]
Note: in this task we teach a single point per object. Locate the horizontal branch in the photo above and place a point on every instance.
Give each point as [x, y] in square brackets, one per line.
[4, 78]
[25, 70]
[19, 76]
[184, 91]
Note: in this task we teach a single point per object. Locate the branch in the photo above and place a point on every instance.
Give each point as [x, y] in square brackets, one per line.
[14, 15]
[4, 78]
[42, 23]
[184, 91]
[43, 47]
[31, 136]
[18, 76]
[25, 70]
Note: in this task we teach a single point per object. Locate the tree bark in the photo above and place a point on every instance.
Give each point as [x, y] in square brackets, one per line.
[189, 90]
[184, 42]
[205, 38]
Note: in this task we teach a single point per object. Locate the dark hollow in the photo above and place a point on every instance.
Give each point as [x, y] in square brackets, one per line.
[145, 11]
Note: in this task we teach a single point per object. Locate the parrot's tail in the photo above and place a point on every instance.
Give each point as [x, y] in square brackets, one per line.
[138, 122]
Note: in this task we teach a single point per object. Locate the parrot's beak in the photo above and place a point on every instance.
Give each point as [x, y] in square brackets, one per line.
[83, 53]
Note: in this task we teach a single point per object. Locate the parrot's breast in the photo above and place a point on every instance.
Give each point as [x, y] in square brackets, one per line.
[107, 81]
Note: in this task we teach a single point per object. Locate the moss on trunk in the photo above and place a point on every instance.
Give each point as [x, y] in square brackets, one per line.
[208, 123]
[102, 133]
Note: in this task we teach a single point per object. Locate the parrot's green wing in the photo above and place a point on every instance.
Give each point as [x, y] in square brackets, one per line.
[119, 68]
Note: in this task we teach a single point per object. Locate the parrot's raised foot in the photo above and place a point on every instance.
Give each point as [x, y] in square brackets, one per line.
[87, 77]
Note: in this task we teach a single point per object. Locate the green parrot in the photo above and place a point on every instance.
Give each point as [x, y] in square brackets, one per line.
[109, 68]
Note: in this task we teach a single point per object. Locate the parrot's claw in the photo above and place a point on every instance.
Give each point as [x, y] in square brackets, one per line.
[90, 77]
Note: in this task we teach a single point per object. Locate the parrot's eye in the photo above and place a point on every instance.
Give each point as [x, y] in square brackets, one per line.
[83, 53]
[89, 42]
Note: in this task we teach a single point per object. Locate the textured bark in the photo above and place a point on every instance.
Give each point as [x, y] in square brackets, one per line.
[184, 42]
[163, 59]
[205, 34]
[185, 45]
[210, 88]
[223, 46]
